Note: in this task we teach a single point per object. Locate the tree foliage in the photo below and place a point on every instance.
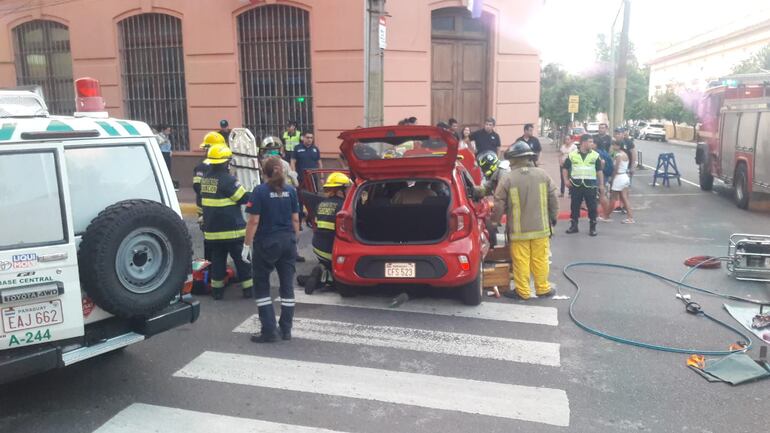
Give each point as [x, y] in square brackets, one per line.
[671, 107]
[759, 62]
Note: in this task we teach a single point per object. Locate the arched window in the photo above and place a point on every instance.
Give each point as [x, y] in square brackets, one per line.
[43, 58]
[274, 53]
[152, 71]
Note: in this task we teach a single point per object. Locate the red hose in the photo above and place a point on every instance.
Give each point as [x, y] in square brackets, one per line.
[703, 262]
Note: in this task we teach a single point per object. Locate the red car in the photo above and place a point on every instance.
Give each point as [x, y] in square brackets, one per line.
[410, 217]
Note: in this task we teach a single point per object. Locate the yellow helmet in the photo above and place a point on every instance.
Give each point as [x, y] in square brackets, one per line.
[218, 154]
[337, 180]
[212, 139]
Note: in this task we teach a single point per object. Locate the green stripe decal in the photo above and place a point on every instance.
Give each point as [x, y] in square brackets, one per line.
[129, 127]
[58, 125]
[108, 128]
[6, 132]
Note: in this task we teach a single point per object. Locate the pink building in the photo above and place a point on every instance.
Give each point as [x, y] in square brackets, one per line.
[261, 63]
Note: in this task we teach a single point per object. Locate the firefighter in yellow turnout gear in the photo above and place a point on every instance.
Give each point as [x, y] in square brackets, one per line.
[528, 196]
[223, 225]
[325, 231]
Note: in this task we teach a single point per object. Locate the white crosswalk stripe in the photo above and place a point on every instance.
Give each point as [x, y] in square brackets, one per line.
[537, 404]
[145, 418]
[507, 312]
[448, 343]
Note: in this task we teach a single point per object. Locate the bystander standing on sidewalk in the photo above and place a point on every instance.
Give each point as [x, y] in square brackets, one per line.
[164, 142]
[532, 141]
[567, 147]
[486, 138]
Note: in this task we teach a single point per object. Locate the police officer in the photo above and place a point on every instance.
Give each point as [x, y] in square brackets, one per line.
[291, 138]
[582, 173]
[323, 238]
[528, 196]
[211, 139]
[223, 225]
[271, 244]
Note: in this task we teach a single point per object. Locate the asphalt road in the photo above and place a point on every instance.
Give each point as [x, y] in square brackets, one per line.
[507, 366]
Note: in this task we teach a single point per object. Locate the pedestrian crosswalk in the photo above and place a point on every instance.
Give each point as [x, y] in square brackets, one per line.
[328, 380]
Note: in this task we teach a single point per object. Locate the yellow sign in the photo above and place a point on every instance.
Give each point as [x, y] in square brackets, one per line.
[574, 99]
[572, 107]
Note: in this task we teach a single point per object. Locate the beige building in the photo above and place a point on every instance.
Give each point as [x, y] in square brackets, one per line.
[261, 63]
[690, 65]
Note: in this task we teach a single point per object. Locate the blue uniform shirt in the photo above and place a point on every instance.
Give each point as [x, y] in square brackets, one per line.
[274, 209]
[306, 157]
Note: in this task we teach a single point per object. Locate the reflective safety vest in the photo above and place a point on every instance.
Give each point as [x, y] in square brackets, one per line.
[291, 140]
[583, 170]
[221, 198]
[325, 221]
[198, 172]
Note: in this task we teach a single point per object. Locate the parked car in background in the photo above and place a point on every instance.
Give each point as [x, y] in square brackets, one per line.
[411, 216]
[575, 133]
[653, 131]
[637, 127]
[592, 128]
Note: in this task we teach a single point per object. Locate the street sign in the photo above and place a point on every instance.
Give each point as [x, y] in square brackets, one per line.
[574, 104]
[383, 34]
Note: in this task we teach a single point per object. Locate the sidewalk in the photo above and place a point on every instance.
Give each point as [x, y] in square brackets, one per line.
[682, 143]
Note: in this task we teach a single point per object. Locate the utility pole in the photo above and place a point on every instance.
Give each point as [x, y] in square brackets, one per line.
[375, 59]
[622, 70]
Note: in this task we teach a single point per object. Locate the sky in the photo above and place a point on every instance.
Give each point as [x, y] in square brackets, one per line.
[566, 30]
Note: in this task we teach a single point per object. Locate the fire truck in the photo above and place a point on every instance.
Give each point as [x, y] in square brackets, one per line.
[735, 116]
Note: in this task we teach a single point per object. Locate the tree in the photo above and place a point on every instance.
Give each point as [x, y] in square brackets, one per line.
[759, 62]
[671, 107]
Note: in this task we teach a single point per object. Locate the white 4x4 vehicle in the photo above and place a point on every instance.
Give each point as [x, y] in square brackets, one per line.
[94, 254]
[653, 131]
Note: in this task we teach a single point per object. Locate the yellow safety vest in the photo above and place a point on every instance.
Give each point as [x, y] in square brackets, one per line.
[583, 169]
[291, 140]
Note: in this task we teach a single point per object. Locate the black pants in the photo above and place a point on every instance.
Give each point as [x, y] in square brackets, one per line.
[577, 195]
[219, 251]
[167, 159]
[275, 252]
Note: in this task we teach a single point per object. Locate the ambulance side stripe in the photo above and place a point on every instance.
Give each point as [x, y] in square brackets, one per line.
[109, 129]
[6, 131]
[58, 125]
[128, 127]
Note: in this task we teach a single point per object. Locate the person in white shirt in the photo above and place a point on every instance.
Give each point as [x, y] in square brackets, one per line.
[567, 146]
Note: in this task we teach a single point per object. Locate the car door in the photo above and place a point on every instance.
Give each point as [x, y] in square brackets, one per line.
[40, 298]
[311, 190]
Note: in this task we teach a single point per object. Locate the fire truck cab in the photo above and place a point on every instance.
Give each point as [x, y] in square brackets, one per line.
[735, 114]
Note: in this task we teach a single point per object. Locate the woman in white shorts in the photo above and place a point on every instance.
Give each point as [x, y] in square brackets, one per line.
[620, 184]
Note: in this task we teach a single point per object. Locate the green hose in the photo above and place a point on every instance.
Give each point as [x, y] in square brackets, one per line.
[691, 307]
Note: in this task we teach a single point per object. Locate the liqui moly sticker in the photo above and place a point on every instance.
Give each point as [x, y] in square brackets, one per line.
[24, 261]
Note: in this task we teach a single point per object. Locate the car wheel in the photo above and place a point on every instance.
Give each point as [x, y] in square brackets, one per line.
[471, 293]
[135, 257]
[345, 290]
[741, 187]
[704, 176]
[313, 280]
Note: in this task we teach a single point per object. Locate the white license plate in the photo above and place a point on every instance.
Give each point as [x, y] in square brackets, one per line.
[32, 316]
[399, 270]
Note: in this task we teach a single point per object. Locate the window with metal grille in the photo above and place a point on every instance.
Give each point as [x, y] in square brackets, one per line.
[43, 58]
[152, 69]
[274, 53]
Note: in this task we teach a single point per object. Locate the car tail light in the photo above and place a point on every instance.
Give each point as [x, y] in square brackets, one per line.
[89, 95]
[345, 226]
[465, 265]
[459, 223]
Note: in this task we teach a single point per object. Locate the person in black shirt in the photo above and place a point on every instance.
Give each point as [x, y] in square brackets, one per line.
[603, 140]
[530, 139]
[224, 129]
[454, 126]
[486, 139]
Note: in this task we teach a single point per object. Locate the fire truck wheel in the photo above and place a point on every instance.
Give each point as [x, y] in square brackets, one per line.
[135, 257]
[705, 177]
[741, 187]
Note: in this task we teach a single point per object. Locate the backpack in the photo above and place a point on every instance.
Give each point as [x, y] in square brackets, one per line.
[609, 165]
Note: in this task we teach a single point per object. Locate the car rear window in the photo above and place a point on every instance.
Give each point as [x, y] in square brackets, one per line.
[30, 195]
[401, 147]
[656, 125]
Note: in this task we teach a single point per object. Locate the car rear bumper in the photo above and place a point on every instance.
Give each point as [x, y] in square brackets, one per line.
[364, 265]
[18, 363]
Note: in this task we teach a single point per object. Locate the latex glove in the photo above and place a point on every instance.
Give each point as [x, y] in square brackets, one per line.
[246, 253]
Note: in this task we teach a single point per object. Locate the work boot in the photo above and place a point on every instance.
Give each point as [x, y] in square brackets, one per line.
[264, 338]
[592, 229]
[573, 227]
[247, 293]
[286, 334]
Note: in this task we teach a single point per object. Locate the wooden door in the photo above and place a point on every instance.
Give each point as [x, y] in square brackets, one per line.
[459, 67]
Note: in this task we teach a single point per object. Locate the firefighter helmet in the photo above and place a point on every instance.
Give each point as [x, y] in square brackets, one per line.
[213, 138]
[519, 149]
[271, 142]
[218, 154]
[337, 180]
[488, 162]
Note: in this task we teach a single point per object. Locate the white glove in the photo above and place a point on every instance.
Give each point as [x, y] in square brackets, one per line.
[246, 253]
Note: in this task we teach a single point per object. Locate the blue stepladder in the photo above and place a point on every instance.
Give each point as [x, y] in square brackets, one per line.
[666, 169]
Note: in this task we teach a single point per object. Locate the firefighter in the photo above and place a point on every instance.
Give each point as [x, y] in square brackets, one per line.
[528, 196]
[211, 139]
[490, 167]
[323, 238]
[223, 225]
[582, 173]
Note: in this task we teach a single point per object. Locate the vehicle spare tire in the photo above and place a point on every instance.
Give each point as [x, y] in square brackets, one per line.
[135, 257]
